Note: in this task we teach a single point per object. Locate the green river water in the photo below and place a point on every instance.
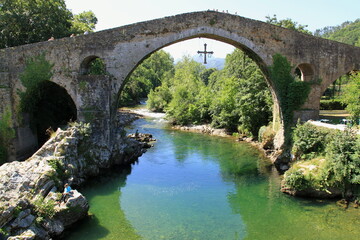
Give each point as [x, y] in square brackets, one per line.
[194, 186]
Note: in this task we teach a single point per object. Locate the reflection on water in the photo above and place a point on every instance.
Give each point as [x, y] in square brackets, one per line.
[191, 186]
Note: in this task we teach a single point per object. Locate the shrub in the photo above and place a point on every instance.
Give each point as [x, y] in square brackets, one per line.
[308, 174]
[295, 180]
[340, 168]
[44, 209]
[266, 136]
[332, 105]
[343, 154]
[309, 141]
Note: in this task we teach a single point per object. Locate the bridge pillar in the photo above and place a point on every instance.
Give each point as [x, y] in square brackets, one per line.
[94, 106]
[310, 109]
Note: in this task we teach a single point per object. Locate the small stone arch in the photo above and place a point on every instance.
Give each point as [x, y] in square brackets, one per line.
[305, 72]
[87, 65]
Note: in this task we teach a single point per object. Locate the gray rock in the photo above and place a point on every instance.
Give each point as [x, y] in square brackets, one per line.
[26, 235]
[22, 219]
[53, 227]
[74, 209]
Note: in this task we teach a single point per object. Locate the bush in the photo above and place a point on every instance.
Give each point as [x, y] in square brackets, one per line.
[309, 141]
[332, 105]
[295, 180]
[340, 168]
[309, 174]
[343, 154]
[44, 209]
[266, 136]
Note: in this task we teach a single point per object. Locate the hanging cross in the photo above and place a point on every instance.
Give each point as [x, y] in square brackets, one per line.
[205, 52]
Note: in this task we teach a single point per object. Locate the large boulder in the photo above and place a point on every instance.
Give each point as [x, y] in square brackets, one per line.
[75, 208]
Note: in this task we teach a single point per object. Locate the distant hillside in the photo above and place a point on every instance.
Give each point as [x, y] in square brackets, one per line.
[217, 63]
[348, 32]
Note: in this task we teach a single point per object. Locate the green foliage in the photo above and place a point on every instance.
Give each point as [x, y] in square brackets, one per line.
[331, 105]
[287, 23]
[343, 155]
[308, 174]
[59, 175]
[348, 32]
[236, 98]
[83, 128]
[83, 22]
[17, 211]
[339, 168]
[37, 70]
[296, 180]
[97, 67]
[43, 208]
[266, 135]
[29, 21]
[291, 92]
[3, 232]
[351, 97]
[185, 106]
[159, 98]
[7, 133]
[309, 141]
[83, 85]
[150, 74]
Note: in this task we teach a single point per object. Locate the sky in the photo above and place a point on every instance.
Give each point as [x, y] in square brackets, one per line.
[314, 13]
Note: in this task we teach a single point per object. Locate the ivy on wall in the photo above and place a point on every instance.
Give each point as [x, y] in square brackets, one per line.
[292, 93]
[7, 133]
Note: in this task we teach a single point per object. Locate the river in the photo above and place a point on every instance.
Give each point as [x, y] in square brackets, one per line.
[194, 186]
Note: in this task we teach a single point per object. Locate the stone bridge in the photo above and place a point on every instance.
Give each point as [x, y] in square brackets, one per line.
[124, 48]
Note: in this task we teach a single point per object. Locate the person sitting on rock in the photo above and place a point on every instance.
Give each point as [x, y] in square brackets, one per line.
[66, 194]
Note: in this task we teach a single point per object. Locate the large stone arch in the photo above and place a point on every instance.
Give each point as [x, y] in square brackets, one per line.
[224, 36]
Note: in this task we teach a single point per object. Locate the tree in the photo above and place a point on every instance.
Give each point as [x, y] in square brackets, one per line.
[30, 21]
[83, 22]
[146, 77]
[242, 99]
[351, 97]
[186, 106]
[287, 23]
[235, 98]
[347, 32]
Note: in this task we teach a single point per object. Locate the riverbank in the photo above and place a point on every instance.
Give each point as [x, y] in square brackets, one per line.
[30, 191]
